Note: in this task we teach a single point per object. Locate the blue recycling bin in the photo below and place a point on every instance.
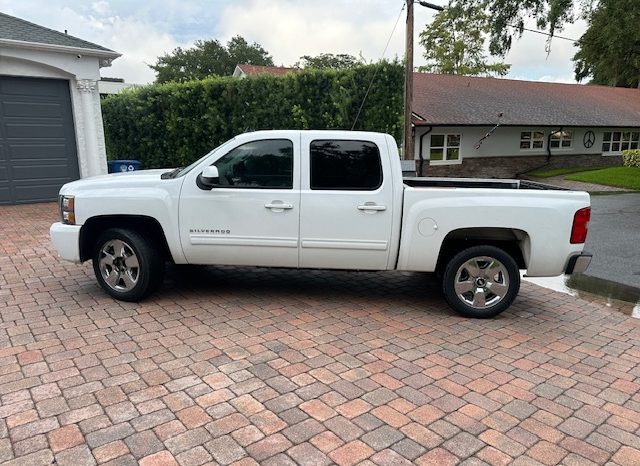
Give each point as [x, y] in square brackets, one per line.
[118, 166]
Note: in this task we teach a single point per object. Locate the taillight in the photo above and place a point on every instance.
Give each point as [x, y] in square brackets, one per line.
[580, 225]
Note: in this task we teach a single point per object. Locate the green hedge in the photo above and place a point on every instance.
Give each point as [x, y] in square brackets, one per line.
[173, 124]
[631, 158]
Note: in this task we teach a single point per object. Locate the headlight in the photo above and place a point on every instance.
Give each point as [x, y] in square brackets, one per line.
[67, 212]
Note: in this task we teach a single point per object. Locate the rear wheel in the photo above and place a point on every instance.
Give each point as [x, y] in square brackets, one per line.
[126, 265]
[481, 281]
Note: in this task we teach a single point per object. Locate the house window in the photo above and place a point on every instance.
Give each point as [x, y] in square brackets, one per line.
[531, 140]
[445, 147]
[617, 141]
[561, 139]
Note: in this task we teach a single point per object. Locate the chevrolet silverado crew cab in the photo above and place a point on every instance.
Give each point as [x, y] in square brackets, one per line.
[322, 199]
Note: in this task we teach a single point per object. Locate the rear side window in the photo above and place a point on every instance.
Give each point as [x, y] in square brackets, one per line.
[266, 164]
[345, 165]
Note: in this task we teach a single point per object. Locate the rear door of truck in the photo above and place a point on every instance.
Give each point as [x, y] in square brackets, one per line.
[346, 204]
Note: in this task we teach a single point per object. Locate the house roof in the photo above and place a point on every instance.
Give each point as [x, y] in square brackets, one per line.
[253, 70]
[16, 29]
[462, 100]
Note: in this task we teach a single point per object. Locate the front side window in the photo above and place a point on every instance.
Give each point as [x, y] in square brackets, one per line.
[531, 140]
[445, 147]
[561, 139]
[345, 165]
[617, 141]
[266, 164]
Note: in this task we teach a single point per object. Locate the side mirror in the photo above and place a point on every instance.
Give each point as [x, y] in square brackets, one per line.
[209, 178]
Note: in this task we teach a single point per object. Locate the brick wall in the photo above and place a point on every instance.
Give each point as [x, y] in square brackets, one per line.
[510, 167]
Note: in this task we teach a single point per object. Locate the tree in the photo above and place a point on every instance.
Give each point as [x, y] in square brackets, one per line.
[209, 58]
[455, 42]
[508, 17]
[610, 50]
[328, 61]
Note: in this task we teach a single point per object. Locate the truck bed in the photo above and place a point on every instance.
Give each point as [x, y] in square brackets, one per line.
[436, 182]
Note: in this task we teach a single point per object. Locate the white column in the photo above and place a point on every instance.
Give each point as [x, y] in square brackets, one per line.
[94, 152]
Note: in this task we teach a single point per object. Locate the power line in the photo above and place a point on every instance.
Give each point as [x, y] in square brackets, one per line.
[373, 78]
[544, 33]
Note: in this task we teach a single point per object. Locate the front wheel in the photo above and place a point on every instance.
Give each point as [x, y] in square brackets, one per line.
[127, 265]
[481, 281]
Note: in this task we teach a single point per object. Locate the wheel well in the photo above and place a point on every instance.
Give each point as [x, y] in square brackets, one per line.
[513, 242]
[147, 226]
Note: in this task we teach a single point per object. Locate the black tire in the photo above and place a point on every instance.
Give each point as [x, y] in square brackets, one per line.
[481, 294]
[120, 278]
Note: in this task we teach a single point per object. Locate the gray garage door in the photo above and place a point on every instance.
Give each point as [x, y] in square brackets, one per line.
[37, 139]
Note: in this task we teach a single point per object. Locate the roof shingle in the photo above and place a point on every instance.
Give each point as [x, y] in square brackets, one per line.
[253, 70]
[464, 100]
[12, 28]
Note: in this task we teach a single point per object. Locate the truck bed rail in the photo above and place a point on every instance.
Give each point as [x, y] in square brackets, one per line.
[439, 182]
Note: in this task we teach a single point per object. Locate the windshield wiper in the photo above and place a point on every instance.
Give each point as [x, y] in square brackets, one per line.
[171, 174]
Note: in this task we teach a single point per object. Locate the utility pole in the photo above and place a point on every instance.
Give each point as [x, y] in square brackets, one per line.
[408, 85]
[408, 77]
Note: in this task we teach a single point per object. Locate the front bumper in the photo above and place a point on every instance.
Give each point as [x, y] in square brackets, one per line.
[66, 239]
[579, 263]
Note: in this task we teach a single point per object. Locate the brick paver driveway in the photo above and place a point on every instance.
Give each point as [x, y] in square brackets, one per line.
[250, 366]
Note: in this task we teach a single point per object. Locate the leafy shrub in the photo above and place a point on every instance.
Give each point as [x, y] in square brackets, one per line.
[173, 124]
[631, 158]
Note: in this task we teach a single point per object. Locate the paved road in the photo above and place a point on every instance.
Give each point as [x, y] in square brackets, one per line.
[614, 238]
[283, 367]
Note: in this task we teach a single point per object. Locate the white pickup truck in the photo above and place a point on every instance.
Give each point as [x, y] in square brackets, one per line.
[322, 199]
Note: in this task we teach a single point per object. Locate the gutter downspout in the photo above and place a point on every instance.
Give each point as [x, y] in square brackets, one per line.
[549, 144]
[420, 151]
[548, 154]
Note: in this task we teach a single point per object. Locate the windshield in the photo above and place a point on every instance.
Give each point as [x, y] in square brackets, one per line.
[185, 170]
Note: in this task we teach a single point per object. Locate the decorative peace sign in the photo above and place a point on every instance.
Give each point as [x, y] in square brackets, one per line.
[589, 139]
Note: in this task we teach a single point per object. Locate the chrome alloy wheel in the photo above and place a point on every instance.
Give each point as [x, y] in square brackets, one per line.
[481, 282]
[119, 265]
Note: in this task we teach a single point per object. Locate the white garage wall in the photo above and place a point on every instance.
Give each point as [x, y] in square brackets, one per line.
[83, 73]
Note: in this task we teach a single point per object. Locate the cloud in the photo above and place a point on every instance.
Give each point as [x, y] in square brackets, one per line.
[529, 57]
[138, 40]
[101, 7]
[288, 29]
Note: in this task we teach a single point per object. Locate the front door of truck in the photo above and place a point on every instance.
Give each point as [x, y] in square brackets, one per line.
[346, 202]
[251, 216]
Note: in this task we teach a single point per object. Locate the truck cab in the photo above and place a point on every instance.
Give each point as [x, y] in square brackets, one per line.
[296, 199]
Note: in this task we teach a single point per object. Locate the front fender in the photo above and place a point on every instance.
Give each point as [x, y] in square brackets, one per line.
[156, 203]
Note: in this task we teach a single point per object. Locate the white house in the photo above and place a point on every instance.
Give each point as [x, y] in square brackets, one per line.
[112, 86]
[499, 128]
[50, 121]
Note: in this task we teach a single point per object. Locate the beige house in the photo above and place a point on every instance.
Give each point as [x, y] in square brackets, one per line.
[489, 127]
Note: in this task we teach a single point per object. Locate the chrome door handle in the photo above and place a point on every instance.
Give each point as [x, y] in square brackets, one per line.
[278, 206]
[372, 207]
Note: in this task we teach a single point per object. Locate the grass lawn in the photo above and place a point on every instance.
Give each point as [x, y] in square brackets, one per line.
[620, 177]
[549, 172]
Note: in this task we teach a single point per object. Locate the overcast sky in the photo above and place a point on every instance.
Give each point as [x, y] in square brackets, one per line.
[143, 30]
